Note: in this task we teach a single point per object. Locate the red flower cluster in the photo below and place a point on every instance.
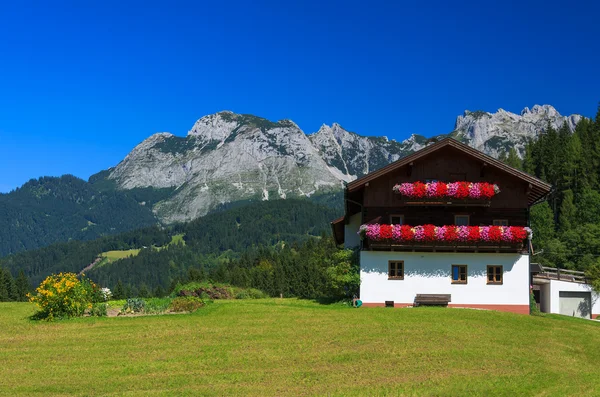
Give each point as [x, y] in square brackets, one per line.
[474, 234]
[419, 189]
[495, 233]
[487, 190]
[451, 234]
[385, 232]
[407, 233]
[429, 231]
[441, 190]
[463, 190]
[518, 233]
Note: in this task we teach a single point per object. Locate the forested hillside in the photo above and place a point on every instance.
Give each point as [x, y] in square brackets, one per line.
[567, 226]
[209, 241]
[49, 210]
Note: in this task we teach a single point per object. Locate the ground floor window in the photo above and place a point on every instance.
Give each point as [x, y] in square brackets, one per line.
[494, 274]
[459, 274]
[396, 270]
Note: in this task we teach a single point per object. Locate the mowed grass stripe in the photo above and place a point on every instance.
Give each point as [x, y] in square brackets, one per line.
[279, 347]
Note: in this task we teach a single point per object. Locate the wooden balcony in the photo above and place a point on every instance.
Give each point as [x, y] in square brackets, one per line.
[444, 202]
[437, 246]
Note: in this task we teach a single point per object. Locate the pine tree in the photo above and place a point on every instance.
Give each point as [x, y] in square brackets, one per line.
[119, 290]
[23, 286]
[3, 282]
[568, 212]
[159, 291]
[513, 159]
[11, 288]
[143, 291]
[542, 224]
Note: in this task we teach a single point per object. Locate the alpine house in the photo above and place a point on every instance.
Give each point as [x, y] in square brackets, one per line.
[445, 225]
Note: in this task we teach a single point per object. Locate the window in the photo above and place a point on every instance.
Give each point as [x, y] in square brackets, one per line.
[397, 219]
[500, 222]
[396, 270]
[461, 220]
[459, 274]
[494, 274]
[458, 177]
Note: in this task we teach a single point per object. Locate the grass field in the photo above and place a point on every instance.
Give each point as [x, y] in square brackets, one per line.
[290, 347]
[112, 256]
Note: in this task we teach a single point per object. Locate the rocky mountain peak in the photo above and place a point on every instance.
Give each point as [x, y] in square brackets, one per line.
[215, 127]
[229, 157]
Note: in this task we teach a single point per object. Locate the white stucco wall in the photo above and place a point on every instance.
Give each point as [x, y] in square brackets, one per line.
[545, 295]
[554, 288]
[430, 273]
[351, 237]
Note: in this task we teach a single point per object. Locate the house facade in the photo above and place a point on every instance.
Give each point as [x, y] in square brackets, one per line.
[446, 220]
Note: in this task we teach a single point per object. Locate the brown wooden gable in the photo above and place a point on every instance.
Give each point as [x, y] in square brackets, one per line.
[447, 160]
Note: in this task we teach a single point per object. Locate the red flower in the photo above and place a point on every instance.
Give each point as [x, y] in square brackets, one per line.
[495, 233]
[518, 234]
[463, 190]
[419, 189]
[385, 232]
[450, 234]
[441, 190]
[487, 190]
[473, 233]
[429, 231]
[406, 233]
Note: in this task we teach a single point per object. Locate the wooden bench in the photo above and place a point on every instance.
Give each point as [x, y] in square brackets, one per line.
[432, 300]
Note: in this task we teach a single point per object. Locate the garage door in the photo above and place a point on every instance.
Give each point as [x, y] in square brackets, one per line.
[577, 304]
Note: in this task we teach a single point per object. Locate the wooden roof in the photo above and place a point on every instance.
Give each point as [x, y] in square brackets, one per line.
[538, 188]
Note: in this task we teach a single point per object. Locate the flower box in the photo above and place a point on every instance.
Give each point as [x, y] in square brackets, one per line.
[448, 234]
[462, 190]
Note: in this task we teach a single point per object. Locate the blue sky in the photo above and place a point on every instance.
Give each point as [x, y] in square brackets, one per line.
[82, 82]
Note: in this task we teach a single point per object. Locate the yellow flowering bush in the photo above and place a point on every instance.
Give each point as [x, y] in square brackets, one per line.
[64, 295]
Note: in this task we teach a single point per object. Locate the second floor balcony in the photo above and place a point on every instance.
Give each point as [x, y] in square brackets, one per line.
[445, 238]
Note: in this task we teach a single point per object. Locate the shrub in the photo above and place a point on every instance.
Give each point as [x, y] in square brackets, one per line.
[533, 309]
[99, 310]
[250, 293]
[64, 295]
[106, 294]
[204, 291]
[186, 304]
[134, 305]
[157, 305]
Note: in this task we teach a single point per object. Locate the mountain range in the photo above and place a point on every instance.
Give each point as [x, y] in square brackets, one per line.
[228, 157]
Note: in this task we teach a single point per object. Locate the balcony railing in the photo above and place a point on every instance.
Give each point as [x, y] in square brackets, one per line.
[445, 201]
[445, 238]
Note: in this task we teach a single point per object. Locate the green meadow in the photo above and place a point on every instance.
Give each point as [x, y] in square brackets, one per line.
[278, 347]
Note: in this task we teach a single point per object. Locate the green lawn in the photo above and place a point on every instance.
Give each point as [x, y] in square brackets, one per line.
[112, 256]
[290, 347]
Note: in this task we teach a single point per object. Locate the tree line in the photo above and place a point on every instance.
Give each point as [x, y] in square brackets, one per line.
[209, 242]
[13, 289]
[566, 225]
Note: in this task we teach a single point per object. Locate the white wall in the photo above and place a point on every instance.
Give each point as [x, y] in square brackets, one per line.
[545, 301]
[556, 286]
[430, 273]
[351, 237]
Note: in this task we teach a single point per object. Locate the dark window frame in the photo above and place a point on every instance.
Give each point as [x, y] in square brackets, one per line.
[468, 219]
[497, 275]
[401, 216]
[398, 270]
[466, 274]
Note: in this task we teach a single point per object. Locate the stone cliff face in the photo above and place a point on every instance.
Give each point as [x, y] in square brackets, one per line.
[229, 157]
[494, 133]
